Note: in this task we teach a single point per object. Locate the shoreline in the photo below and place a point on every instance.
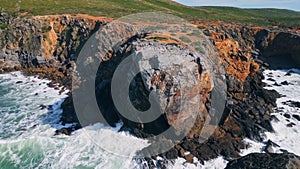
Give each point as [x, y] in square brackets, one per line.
[241, 50]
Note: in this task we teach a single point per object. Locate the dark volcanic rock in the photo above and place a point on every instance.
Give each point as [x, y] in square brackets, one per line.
[266, 161]
[270, 79]
[269, 146]
[284, 83]
[296, 116]
[276, 84]
[292, 103]
[291, 125]
[234, 85]
[296, 104]
[69, 115]
[279, 49]
[289, 73]
[287, 115]
[65, 131]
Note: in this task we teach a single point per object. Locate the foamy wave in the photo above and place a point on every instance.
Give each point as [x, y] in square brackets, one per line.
[27, 131]
[286, 137]
[217, 163]
[287, 128]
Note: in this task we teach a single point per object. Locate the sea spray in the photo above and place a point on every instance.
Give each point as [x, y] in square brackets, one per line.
[27, 131]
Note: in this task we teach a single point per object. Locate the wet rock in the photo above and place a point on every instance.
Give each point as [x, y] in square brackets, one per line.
[292, 103]
[291, 125]
[42, 107]
[63, 131]
[289, 73]
[69, 114]
[276, 84]
[269, 146]
[284, 83]
[296, 116]
[295, 103]
[287, 115]
[270, 79]
[266, 161]
[18, 82]
[235, 46]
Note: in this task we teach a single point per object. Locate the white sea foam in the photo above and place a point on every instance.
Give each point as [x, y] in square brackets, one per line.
[254, 147]
[217, 163]
[286, 137]
[27, 132]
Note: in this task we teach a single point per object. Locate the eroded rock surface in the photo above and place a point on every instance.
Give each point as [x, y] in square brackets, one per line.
[257, 161]
[48, 46]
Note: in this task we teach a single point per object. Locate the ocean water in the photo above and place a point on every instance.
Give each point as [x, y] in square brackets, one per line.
[218, 163]
[286, 127]
[284, 135]
[27, 132]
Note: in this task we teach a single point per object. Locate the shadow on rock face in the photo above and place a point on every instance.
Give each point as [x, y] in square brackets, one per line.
[281, 50]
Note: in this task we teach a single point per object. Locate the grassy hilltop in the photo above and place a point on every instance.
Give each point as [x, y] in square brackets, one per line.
[118, 8]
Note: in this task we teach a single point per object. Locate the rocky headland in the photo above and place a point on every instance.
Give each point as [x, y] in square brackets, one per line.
[48, 46]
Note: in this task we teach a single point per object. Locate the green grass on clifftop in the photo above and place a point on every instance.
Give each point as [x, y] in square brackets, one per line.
[118, 8]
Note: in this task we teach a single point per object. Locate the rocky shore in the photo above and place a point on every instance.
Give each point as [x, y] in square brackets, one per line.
[258, 160]
[48, 46]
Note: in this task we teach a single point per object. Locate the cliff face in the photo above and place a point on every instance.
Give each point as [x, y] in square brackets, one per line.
[182, 78]
[49, 46]
[279, 49]
[55, 41]
[45, 45]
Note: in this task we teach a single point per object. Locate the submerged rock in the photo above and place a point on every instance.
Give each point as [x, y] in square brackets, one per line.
[64, 131]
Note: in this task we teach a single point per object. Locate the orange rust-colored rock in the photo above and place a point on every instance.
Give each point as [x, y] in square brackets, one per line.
[229, 51]
[234, 51]
[54, 22]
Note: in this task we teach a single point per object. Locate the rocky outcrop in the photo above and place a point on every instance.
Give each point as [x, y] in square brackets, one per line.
[45, 45]
[48, 46]
[248, 108]
[267, 161]
[181, 77]
[279, 49]
[235, 46]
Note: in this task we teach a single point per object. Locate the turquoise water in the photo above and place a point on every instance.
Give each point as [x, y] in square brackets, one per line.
[27, 132]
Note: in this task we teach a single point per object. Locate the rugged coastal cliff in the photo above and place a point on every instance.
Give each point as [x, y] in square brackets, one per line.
[48, 46]
[42, 43]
